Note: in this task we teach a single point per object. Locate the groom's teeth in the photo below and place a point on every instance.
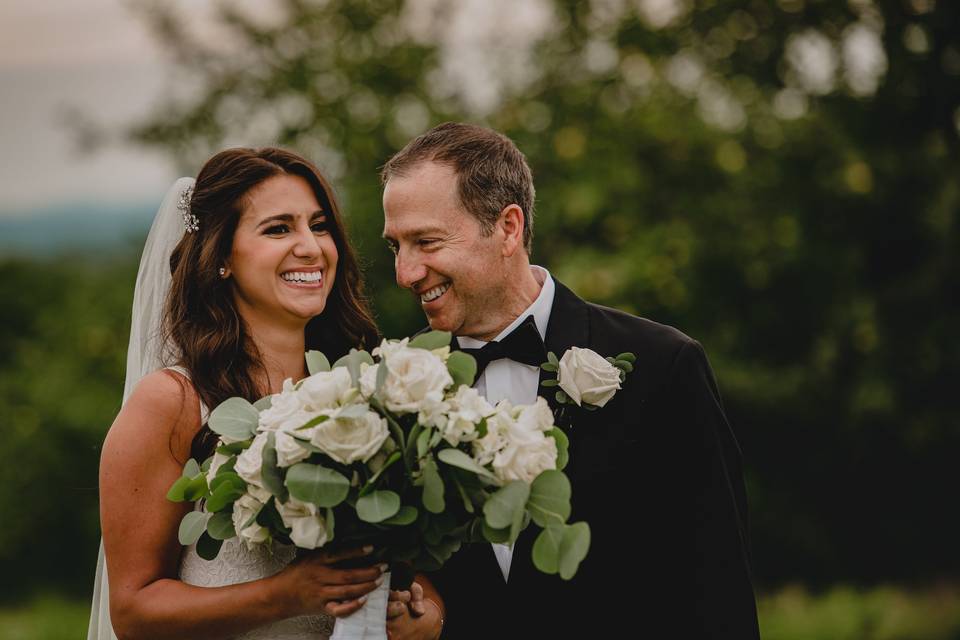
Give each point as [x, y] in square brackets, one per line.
[302, 276]
[434, 293]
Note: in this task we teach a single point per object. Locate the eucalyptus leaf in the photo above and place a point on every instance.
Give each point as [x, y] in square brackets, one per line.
[392, 458]
[546, 549]
[196, 488]
[410, 453]
[220, 526]
[423, 443]
[432, 486]
[549, 501]
[377, 506]
[192, 527]
[552, 358]
[382, 373]
[444, 549]
[316, 484]
[406, 515]
[224, 495]
[230, 478]
[467, 502]
[623, 365]
[270, 471]
[505, 507]
[234, 418]
[573, 548]
[549, 383]
[207, 547]
[563, 447]
[234, 448]
[462, 367]
[549, 367]
[459, 459]
[627, 357]
[431, 340]
[191, 468]
[329, 520]
[317, 362]
[562, 397]
[176, 493]
[263, 403]
[499, 536]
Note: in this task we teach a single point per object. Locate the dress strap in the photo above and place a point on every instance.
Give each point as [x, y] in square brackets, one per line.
[204, 411]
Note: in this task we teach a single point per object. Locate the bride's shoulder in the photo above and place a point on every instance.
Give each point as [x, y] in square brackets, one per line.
[165, 397]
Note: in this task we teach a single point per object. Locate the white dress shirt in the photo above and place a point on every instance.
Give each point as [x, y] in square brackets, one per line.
[514, 381]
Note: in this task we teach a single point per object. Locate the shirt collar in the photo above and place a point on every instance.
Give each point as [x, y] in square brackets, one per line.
[540, 310]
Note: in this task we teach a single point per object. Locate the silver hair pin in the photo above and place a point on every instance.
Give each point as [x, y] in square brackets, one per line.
[190, 222]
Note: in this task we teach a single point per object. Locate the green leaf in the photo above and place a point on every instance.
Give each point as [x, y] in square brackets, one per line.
[459, 459]
[270, 471]
[230, 478]
[563, 447]
[573, 548]
[234, 448]
[444, 549]
[546, 549]
[623, 365]
[549, 367]
[317, 485]
[506, 506]
[552, 358]
[410, 454]
[431, 340]
[192, 527]
[500, 536]
[196, 488]
[406, 515]
[423, 443]
[329, 521]
[562, 397]
[224, 495]
[392, 458]
[462, 368]
[549, 501]
[627, 357]
[190, 469]
[263, 403]
[377, 506]
[549, 383]
[382, 373]
[220, 526]
[317, 362]
[207, 547]
[234, 418]
[177, 490]
[352, 362]
[432, 486]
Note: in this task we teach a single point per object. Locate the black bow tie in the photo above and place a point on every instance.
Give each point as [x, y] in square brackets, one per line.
[523, 345]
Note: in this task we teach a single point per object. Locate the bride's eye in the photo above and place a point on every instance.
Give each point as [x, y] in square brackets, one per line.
[275, 230]
[320, 225]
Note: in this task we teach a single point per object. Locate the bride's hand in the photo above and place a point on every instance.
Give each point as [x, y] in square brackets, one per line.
[314, 585]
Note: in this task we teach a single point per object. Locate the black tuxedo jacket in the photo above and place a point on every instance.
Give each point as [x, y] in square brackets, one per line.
[657, 475]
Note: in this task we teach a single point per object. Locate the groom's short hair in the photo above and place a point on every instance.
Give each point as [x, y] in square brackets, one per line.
[492, 173]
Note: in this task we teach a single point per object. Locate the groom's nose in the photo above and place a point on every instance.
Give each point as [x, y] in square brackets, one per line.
[409, 270]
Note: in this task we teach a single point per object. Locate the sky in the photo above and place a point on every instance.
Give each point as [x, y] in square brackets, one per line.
[94, 57]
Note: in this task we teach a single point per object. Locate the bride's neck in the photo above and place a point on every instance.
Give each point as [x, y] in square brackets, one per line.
[281, 350]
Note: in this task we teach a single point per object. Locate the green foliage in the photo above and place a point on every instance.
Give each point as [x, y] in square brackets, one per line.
[378, 506]
[234, 418]
[316, 484]
[317, 362]
[433, 486]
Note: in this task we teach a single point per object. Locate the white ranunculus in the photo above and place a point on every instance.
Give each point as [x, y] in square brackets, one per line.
[536, 416]
[326, 389]
[433, 412]
[289, 450]
[347, 440]
[416, 377]
[468, 408]
[245, 508]
[587, 377]
[250, 461]
[308, 527]
[282, 406]
[485, 449]
[368, 379]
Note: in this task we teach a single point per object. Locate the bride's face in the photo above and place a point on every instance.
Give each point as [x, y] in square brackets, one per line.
[284, 259]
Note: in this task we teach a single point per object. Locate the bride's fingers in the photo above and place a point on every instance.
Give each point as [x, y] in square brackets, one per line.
[331, 557]
[341, 609]
[354, 576]
[349, 591]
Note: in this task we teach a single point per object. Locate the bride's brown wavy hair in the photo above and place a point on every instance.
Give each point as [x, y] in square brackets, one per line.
[201, 320]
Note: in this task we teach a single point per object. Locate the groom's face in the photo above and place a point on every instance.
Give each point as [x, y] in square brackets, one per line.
[442, 255]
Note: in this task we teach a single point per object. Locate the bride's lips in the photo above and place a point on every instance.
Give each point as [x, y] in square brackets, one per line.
[311, 278]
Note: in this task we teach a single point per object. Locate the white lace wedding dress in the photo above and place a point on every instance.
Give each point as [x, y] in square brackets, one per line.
[235, 564]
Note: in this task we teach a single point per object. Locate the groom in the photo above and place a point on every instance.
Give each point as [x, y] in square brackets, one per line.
[656, 473]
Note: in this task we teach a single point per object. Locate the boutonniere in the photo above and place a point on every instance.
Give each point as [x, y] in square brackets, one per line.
[585, 378]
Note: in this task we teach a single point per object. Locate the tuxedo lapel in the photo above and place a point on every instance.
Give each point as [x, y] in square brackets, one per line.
[568, 327]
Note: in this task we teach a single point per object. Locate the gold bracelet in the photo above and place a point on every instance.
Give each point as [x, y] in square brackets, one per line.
[439, 611]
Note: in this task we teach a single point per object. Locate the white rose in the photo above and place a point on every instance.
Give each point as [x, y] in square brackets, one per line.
[468, 408]
[485, 449]
[368, 379]
[289, 450]
[244, 509]
[326, 389]
[250, 461]
[308, 527]
[282, 406]
[415, 377]
[536, 416]
[527, 459]
[349, 439]
[586, 376]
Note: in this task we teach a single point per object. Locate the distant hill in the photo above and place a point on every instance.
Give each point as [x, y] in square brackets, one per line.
[93, 228]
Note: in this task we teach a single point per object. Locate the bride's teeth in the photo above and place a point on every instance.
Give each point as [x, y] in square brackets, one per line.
[297, 276]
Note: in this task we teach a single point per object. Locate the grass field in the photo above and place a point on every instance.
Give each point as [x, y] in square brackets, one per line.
[793, 613]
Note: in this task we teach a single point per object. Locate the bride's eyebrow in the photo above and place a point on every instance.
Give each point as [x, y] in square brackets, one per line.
[289, 217]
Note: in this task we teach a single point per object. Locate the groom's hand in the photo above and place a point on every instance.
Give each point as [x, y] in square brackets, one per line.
[408, 618]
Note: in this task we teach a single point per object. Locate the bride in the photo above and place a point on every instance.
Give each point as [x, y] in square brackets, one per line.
[243, 271]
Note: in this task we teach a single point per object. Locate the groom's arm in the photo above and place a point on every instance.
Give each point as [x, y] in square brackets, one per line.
[420, 618]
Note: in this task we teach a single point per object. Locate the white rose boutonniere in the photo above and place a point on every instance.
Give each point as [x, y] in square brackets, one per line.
[586, 378]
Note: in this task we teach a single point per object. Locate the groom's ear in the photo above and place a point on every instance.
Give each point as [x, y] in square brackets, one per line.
[511, 224]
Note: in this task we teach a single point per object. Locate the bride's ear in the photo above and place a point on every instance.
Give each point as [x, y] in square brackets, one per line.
[224, 272]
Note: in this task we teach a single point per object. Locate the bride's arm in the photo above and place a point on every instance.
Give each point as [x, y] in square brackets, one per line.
[142, 456]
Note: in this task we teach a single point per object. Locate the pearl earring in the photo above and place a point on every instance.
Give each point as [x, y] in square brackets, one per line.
[223, 272]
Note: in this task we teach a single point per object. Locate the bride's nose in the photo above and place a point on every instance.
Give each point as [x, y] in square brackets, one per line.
[306, 244]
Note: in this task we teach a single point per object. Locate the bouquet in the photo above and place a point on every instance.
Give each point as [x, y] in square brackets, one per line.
[393, 448]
